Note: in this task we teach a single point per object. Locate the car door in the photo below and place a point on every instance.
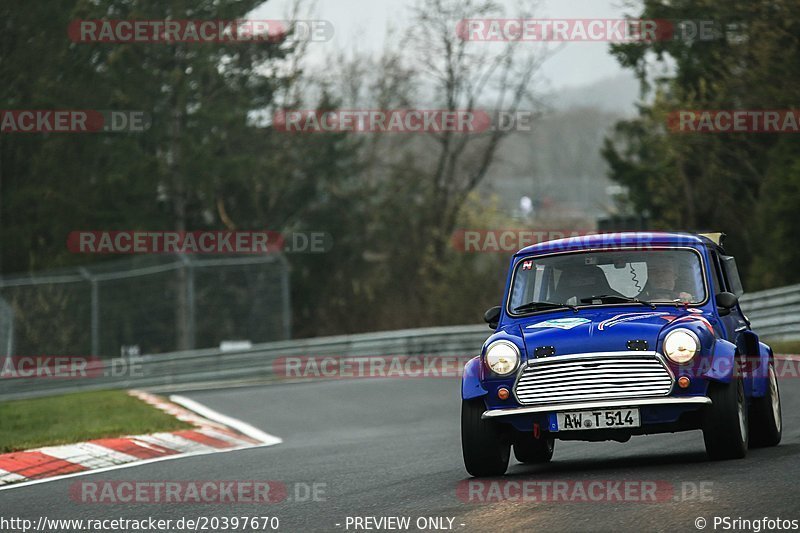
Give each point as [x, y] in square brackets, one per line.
[726, 279]
[736, 325]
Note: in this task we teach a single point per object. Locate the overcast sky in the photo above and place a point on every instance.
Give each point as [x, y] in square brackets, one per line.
[361, 24]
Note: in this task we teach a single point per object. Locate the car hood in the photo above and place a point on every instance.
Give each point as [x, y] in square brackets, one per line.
[600, 330]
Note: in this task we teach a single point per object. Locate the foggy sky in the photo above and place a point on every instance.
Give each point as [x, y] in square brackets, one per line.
[362, 24]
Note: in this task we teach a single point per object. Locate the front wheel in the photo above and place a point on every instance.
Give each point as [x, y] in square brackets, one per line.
[485, 447]
[765, 414]
[725, 428]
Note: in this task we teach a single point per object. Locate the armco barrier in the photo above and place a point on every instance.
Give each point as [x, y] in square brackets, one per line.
[775, 313]
[216, 366]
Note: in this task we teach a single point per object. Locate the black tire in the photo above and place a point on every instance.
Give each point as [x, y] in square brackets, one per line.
[725, 427]
[766, 423]
[485, 446]
[529, 450]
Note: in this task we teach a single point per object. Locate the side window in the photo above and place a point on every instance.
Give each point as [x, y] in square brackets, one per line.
[732, 274]
[716, 274]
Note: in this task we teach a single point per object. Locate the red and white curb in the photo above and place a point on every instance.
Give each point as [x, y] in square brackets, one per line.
[213, 432]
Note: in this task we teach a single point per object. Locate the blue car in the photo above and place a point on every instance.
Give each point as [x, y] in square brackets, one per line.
[607, 336]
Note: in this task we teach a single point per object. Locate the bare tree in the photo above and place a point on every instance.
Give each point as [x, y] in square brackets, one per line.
[417, 185]
[465, 75]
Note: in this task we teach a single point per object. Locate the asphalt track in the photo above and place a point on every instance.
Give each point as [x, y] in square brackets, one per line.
[391, 448]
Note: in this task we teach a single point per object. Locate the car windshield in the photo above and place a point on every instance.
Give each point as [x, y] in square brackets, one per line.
[594, 278]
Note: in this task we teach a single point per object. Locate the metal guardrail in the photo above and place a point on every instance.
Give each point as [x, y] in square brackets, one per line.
[774, 313]
[253, 364]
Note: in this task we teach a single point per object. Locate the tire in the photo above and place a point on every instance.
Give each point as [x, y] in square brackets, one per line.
[485, 446]
[766, 422]
[529, 450]
[725, 426]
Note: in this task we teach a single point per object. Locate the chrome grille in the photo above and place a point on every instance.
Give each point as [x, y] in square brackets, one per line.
[603, 376]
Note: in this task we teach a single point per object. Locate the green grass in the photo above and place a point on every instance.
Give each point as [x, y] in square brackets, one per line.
[69, 418]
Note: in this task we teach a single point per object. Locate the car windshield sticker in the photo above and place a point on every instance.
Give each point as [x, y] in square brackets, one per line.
[527, 265]
[627, 317]
[560, 323]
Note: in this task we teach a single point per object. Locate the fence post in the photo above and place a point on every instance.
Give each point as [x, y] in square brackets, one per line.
[286, 296]
[10, 347]
[188, 264]
[6, 327]
[95, 311]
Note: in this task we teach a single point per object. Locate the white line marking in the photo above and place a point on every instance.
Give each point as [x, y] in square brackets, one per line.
[238, 425]
[172, 442]
[222, 436]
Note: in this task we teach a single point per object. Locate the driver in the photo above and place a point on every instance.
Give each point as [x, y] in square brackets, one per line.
[661, 277]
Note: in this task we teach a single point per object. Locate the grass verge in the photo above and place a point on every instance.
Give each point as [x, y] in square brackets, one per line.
[70, 418]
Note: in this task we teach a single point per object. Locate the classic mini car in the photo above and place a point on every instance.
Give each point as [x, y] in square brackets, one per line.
[607, 336]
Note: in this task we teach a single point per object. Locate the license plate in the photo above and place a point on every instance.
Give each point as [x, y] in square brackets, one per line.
[600, 419]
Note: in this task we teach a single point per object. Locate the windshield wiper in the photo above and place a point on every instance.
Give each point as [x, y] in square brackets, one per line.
[539, 306]
[612, 298]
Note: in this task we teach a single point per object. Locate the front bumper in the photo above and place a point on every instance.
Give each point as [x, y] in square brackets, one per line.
[599, 404]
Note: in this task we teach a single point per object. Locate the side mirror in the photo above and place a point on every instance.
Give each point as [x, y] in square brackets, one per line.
[492, 316]
[725, 302]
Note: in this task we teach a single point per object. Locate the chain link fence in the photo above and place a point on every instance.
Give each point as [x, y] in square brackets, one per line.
[147, 304]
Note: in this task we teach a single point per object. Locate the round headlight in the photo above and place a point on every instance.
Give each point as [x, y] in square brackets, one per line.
[502, 357]
[681, 345]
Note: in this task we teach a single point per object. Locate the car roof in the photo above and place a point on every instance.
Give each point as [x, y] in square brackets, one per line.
[620, 239]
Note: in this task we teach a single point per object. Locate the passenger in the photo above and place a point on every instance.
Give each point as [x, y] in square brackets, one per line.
[579, 282]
